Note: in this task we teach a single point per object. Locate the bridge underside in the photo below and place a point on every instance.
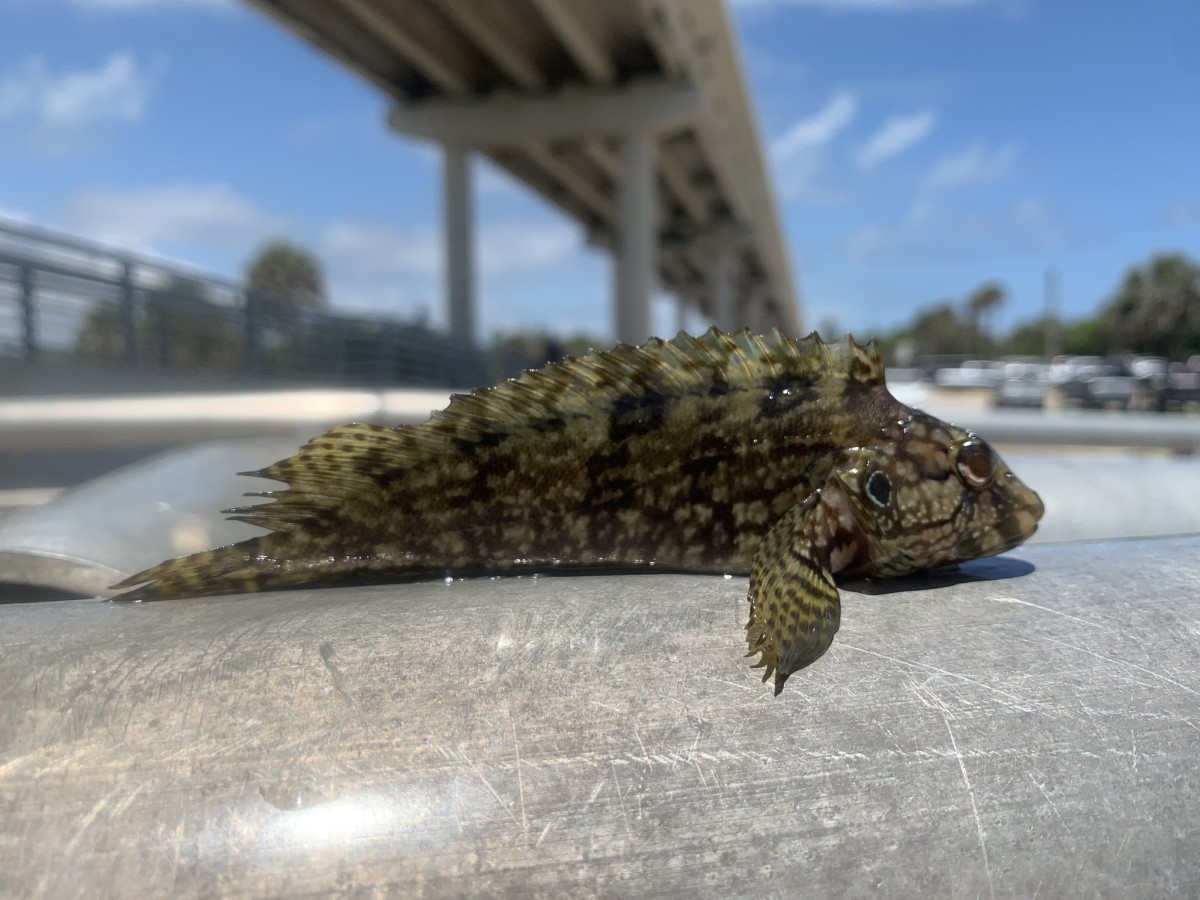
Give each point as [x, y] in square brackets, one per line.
[631, 116]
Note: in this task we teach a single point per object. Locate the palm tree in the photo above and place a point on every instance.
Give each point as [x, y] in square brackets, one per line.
[981, 304]
[1157, 307]
[283, 278]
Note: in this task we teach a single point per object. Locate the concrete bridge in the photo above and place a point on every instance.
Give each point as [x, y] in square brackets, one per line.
[631, 116]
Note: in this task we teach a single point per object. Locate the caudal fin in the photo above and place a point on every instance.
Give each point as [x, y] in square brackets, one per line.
[238, 568]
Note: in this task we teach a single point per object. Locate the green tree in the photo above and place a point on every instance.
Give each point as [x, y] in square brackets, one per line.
[981, 305]
[184, 329]
[938, 329]
[1157, 307]
[177, 326]
[1087, 337]
[1027, 339]
[283, 278]
[101, 336]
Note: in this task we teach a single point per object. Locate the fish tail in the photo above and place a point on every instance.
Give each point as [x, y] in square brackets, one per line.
[246, 567]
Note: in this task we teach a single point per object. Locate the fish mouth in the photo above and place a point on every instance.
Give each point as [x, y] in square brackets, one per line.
[1031, 509]
[1004, 541]
[1035, 505]
[1022, 522]
[1018, 511]
[1024, 535]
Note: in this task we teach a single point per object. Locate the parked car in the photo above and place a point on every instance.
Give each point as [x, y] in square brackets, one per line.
[1064, 369]
[974, 373]
[1183, 385]
[1024, 384]
[1071, 375]
[930, 364]
[1110, 391]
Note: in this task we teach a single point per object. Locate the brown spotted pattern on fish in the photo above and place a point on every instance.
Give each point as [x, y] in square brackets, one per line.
[736, 453]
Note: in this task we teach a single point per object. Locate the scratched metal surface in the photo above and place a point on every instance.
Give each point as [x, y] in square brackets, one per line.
[1029, 727]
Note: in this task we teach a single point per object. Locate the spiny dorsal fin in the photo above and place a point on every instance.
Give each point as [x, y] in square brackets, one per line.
[344, 463]
[686, 364]
[333, 470]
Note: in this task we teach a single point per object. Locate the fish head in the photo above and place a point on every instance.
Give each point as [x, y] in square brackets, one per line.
[932, 494]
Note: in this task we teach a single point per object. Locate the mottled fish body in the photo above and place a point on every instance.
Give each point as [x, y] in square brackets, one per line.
[738, 453]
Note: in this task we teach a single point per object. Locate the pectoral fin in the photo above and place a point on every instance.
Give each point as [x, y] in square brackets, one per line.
[794, 604]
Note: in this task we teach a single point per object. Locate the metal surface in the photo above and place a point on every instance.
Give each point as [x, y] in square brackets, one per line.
[1026, 728]
[93, 536]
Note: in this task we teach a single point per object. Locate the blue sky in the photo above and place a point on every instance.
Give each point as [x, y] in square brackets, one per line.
[920, 148]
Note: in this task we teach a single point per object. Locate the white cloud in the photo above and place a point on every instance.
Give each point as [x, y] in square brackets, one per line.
[14, 215]
[514, 247]
[379, 268]
[150, 219]
[1181, 211]
[21, 89]
[119, 89]
[933, 232]
[816, 130]
[798, 154]
[897, 134]
[974, 165]
[373, 251]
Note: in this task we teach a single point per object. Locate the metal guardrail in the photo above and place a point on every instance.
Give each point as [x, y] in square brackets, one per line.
[166, 420]
[182, 418]
[62, 297]
[1079, 428]
[1057, 427]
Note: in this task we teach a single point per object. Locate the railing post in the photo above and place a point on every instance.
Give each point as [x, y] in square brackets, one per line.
[387, 351]
[252, 346]
[128, 312]
[28, 313]
[162, 327]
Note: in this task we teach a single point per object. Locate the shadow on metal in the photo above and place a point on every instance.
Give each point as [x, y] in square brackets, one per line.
[997, 568]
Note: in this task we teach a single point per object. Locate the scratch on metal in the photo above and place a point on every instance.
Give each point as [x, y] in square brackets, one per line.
[962, 767]
[1048, 609]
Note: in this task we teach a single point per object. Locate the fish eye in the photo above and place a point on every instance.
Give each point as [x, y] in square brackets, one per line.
[879, 489]
[975, 463]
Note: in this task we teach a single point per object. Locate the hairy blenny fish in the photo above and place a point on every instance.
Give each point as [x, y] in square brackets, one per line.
[729, 453]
